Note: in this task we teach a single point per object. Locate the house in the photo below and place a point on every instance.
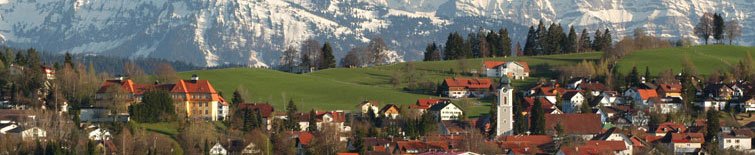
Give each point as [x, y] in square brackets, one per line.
[446, 111]
[526, 144]
[466, 87]
[390, 111]
[596, 147]
[33, 133]
[670, 90]
[738, 139]
[330, 118]
[608, 98]
[423, 104]
[367, 105]
[549, 92]
[265, 110]
[593, 88]
[303, 139]
[416, 147]
[613, 134]
[100, 114]
[548, 107]
[748, 104]
[218, 149]
[572, 101]
[718, 91]
[454, 127]
[712, 103]
[518, 70]
[685, 143]
[196, 98]
[199, 99]
[665, 105]
[99, 134]
[582, 125]
[670, 127]
[641, 96]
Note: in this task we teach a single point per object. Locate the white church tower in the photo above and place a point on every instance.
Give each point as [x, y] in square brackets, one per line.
[505, 109]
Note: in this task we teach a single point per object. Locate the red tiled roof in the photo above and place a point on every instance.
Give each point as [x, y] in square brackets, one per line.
[303, 136]
[193, 86]
[652, 139]
[595, 147]
[574, 123]
[492, 64]
[347, 154]
[647, 93]
[636, 142]
[687, 137]
[594, 86]
[671, 127]
[547, 106]
[671, 88]
[470, 83]
[525, 66]
[403, 146]
[265, 109]
[525, 144]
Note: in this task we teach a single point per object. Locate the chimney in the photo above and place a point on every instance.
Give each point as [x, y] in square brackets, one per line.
[194, 77]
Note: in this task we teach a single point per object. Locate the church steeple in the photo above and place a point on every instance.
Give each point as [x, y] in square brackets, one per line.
[505, 116]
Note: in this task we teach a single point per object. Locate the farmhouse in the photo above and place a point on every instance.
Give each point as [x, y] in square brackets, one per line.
[518, 70]
[466, 87]
[447, 111]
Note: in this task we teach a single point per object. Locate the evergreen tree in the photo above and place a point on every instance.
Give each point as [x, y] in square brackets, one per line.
[455, 47]
[292, 121]
[358, 144]
[584, 41]
[541, 39]
[529, 44]
[328, 60]
[633, 79]
[432, 53]
[537, 119]
[570, 44]
[237, 98]
[68, 60]
[518, 49]
[483, 46]
[427, 124]
[713, 126]
[597, 41]
[492, 38]
[493, 114]
[585, 108]
[718, 28]
[647, 73]
[505, 43]
[312, 121]
[520, 122]
[607, 40]
[20, 59]
[552, 44]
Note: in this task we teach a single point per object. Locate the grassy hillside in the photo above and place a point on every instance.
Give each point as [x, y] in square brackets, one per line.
[707, 59]
[307, 91]
[343, 88]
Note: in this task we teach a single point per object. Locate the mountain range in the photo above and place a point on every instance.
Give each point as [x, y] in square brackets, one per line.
[254, 32]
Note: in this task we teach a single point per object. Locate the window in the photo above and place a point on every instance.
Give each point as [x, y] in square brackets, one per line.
[736, 141]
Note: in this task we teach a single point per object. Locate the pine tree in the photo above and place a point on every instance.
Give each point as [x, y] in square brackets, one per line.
[718, 28]
[292, 121]
[553, 39]
[520, 123]
[647, 73]
[492, 37]
[584, 41]
[607, 40]
[493, 114]
[328, 60]
[597, 41]
[68, 60]
[633, 79]
[571, 41]
[505, 43]
[529, 44]
[237, 98]
[537, 119]
[432, 53]
[540, 39]
[518, 49]
[713, 126]
[312, 121]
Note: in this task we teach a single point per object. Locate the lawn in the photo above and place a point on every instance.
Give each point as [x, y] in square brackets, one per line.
[707, 59]
[344, 88]
[309, 92]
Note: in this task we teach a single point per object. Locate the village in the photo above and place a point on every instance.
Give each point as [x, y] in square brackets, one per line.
[577, 116]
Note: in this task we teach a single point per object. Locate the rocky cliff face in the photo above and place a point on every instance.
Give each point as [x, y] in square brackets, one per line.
[253, 32]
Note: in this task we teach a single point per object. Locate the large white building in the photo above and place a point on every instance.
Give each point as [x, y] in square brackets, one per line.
[505, 116]
[513, 69]
[447, 111]
[740, 139]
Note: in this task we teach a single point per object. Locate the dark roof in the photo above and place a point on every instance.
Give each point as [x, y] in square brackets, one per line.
[574, 123]
[388, 106]
[440, 106]
[570, 93]
[266, 110]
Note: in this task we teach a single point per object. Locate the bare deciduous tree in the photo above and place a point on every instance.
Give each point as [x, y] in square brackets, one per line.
[289, 58]
[310, 53]
[733, 30]
[704, 29]
[165, 73]
[354, 58]
[376, 51]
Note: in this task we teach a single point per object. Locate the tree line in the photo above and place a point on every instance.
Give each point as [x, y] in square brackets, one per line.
[477, 45]
[713, 25]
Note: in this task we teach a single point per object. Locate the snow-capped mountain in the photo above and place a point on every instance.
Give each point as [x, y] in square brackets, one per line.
[253, 32]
